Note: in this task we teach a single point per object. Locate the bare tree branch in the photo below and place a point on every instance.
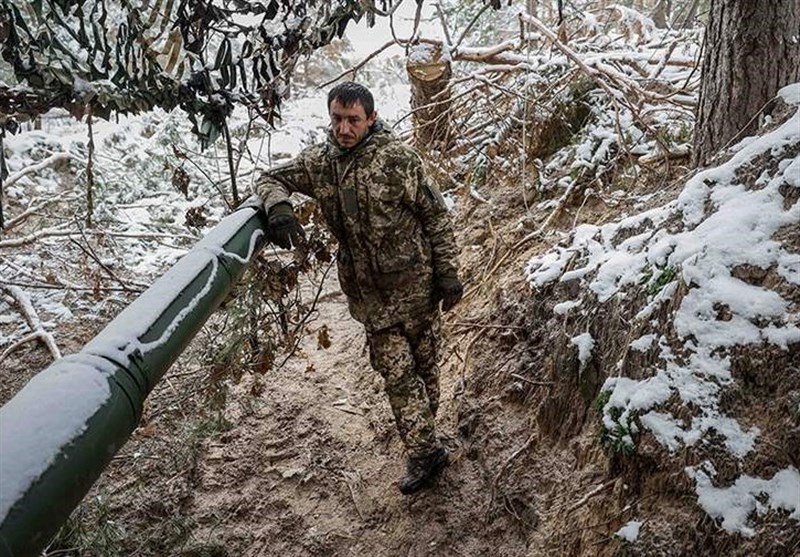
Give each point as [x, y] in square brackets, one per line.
[26, 307]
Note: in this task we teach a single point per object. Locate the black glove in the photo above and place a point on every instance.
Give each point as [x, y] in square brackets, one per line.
[449, 290]
[283, 228]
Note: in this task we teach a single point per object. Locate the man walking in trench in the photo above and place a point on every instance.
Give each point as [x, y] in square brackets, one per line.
[397, 257]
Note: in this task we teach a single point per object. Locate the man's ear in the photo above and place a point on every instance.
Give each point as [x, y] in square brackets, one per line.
[372, 117]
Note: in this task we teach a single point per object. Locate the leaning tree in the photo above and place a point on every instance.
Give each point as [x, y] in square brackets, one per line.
[752, 49]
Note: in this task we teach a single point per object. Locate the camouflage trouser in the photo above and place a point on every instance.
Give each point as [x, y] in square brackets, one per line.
[406, 357]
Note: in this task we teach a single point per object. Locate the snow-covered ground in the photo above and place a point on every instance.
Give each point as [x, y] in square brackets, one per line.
[723, 226]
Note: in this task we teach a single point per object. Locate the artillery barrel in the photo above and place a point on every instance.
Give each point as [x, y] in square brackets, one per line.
[61, 430]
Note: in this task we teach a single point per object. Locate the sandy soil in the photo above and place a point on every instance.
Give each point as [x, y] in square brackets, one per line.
[311, 468]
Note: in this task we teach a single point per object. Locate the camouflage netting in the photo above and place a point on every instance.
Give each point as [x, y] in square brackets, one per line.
[134, 55]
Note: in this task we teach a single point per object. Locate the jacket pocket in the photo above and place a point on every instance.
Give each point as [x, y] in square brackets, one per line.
[347, 277]
[397, 258]
[397, 265]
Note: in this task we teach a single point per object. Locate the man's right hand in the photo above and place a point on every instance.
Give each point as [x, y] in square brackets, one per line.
[283, 228]
[450, 291]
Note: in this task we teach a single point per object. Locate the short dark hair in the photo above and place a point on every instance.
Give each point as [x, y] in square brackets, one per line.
[349, 93]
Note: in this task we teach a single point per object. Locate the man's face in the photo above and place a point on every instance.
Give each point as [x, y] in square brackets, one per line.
[349, 123]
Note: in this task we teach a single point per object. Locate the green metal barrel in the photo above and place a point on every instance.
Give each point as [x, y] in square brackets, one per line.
[61, 430]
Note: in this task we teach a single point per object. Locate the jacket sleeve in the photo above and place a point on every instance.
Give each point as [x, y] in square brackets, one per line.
[429, 207]
[278, 183]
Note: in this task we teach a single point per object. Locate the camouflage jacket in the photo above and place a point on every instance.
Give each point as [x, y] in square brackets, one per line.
[389, 219]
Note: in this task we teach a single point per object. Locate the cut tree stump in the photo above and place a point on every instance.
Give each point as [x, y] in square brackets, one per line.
[429, 73]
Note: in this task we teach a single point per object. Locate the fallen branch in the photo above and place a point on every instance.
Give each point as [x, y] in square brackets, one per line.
[57, 232]
[33, 209]
[595, 74]
[44, 163]
[23, 301]
[90, 252]
[24, 340]
[70, 286]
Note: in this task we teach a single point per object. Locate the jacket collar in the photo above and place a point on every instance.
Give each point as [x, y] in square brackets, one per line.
[378, 134]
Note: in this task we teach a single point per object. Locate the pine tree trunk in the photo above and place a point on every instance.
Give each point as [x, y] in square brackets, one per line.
[751, 51]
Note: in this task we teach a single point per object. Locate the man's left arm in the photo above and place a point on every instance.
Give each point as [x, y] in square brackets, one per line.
[430, 208]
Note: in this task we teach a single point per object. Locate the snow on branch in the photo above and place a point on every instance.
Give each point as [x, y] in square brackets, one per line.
[52, 160]
[37, 329]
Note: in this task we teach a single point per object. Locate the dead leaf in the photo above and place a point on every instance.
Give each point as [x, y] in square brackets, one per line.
[323, 338]
[180, 179]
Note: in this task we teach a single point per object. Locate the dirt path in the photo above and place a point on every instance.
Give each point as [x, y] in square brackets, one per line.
[311, 467]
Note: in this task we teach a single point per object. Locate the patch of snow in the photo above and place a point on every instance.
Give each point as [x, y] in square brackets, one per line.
[629, 532]
[421, 53]
[585, 343]
[790, 93]
[666, 429]
[643, 343]
[564, 307]
[734, 505]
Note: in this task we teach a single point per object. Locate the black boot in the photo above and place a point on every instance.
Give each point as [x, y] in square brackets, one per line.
[421, 470]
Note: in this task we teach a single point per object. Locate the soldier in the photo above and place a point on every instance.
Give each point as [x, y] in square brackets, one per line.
[397, 257]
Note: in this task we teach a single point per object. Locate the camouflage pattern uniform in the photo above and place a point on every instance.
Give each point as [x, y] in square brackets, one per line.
[394, 238]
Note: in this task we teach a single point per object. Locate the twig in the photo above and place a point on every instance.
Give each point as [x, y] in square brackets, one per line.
[359, 65]
[90, 252]
[414, 32]
[597, 490]
[347, 411]
[443, 20]
[531, 381]
[507, 465]
[512, 250]
[471, 325]
[24, 303]
[388, 12]
[33, 209]
[27, 338]
[177, 395]
[353, 497]
[229, 149]
[469, 26]
[462, 386]
[89, 169]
